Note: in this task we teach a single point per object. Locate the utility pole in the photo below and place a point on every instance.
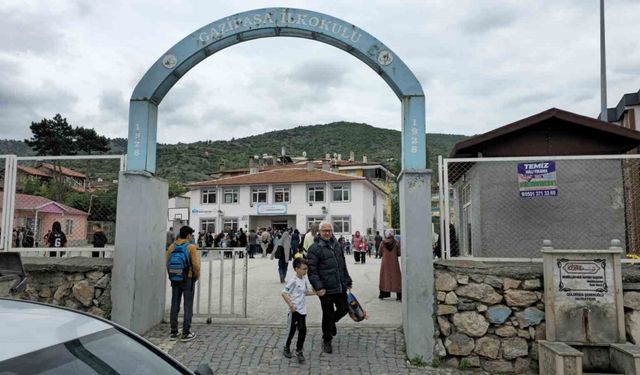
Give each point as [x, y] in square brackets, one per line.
[603, 68]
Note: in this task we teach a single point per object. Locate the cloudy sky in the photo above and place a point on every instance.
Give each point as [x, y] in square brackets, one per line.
[482, 64]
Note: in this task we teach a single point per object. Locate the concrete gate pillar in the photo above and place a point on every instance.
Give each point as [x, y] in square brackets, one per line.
[139, 276]
[417, 263]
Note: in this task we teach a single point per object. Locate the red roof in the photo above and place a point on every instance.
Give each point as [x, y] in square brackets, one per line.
[34, 202]
[32, 171]
[281, 176]
[298, 165]
[65, 171]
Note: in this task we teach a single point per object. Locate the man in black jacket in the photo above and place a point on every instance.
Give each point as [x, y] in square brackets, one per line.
[329, 277]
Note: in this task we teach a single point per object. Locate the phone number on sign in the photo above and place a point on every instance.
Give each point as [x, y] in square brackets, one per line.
[542, 193]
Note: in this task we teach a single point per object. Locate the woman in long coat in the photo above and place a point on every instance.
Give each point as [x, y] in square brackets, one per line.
[390, 276]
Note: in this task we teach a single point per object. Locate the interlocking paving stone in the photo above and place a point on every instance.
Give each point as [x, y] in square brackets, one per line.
[253, 349]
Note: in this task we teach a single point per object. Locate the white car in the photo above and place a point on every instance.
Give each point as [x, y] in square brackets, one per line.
[36, 338]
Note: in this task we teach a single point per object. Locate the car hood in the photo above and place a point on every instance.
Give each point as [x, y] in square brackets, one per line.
[27, 327]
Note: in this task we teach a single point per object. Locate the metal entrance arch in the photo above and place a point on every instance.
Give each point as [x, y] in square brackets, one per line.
[415, 194]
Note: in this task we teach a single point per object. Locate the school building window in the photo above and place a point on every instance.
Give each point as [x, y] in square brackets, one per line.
[341, 192]
[314, 220]
[341, 224]
[281, 194]
[231, 195]
[230, 224]
[208, 196]
[315, 193]
[259, 194]
[208, 225]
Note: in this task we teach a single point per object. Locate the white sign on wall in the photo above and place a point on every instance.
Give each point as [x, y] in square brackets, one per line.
[272, 209]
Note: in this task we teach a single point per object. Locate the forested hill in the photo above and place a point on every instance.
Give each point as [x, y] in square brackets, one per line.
[195, 161]
[189, 162]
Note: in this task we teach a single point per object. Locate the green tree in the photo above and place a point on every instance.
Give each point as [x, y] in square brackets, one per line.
[395, 207]
[57, 137]
[52, 137]
[88, 141]
[176, 188]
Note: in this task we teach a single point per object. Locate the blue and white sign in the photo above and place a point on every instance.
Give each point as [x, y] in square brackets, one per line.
[537, 179]
[272, 209]
[197, 211]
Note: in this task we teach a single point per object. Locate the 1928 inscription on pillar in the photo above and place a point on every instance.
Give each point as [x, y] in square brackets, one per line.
[583, 280]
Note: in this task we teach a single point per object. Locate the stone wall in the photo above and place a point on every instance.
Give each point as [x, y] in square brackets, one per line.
[78, 283]
[489, 315]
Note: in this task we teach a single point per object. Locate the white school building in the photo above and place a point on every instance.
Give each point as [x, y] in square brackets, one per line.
[282, 198]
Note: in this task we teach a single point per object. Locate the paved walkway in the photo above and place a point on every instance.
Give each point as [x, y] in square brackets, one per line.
[251, 349]
[254, 345]
[264, 302]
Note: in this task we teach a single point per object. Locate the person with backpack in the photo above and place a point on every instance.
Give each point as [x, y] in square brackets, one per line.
[183, 268]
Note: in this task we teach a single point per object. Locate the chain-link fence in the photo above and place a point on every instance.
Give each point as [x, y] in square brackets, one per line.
[63, 202]
[506, 207]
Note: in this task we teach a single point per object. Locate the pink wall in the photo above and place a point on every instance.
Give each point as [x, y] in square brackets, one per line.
[77, 238]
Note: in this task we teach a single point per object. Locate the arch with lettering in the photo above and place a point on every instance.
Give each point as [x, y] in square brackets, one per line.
[414, 181]
[265, 23]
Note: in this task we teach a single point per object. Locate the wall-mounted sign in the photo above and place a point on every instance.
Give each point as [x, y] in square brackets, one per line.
[197, 211]
[272, 209]
[537, 179]
[584, 280]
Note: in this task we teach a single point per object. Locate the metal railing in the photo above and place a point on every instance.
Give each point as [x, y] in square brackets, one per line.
[219, 265]
[502, 208]
[102, 252]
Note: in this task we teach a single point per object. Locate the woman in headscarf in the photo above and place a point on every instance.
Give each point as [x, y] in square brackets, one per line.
[356, 243]
[390, 277]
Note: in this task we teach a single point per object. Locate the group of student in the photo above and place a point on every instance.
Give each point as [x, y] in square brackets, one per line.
[318, 252]
[55, 238]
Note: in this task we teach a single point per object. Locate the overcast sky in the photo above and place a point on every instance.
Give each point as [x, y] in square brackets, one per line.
[482, 64]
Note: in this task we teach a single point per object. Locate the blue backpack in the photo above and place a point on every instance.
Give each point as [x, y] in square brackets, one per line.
[178, 264]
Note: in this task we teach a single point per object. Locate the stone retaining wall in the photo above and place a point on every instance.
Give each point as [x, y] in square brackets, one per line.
[489, 315]
[79, 283]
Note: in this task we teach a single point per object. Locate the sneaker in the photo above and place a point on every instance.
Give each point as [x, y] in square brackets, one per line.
[188, 336]
[300, 356]
[287, 352]
[174, 336]
[326, 347]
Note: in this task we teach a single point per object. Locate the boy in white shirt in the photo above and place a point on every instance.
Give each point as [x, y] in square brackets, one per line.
[294, 294]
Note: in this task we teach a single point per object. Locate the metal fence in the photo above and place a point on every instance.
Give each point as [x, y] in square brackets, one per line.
[55, 202]
[505, 207]
[221, 290]
[8, 164]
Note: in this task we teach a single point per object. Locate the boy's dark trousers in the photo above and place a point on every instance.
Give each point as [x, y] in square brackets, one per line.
[185, 288]
[299, 322]
[282, 268]
[330, 316]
